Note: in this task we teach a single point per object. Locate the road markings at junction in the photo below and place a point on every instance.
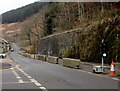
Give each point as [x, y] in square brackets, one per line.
[22, 71]
[20, 81]
[29, 77]
[14, 82]
[38, 84]
[17, 76]
[9, 68]
[32, 80]
[43, 88]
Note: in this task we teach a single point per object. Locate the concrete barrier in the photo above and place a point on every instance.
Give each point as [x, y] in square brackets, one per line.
[72, 63]
[117, 69]
[28, 55]
[52, 59]
[20, 53]
[42, 57]
[36, 56]
[32, 56]
[25, 54]
[60, 61]
[67, 62]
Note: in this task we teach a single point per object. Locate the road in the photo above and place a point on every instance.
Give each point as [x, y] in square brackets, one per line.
[43, 76]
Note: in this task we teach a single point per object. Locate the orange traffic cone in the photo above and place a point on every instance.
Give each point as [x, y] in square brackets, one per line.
[112, 70]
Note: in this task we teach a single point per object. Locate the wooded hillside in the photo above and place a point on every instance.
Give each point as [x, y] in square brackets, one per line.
[98, 21]
[22, 13]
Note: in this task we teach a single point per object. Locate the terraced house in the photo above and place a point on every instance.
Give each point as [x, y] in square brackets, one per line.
[4, 45]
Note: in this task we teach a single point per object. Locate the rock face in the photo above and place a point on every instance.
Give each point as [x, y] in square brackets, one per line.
[56, 44]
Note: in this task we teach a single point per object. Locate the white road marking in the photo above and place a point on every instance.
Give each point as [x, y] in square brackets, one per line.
[116, 79]
[20, 81]
[22, 71]
[99, 75]
[43, 88]
[38, 84]
[14, 82]
[31, 79]
[25, 74]
[17, 76]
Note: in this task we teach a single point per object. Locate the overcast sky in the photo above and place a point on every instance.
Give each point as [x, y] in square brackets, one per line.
[6, 5]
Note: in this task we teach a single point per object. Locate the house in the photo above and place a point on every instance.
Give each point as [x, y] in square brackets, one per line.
[4, 45]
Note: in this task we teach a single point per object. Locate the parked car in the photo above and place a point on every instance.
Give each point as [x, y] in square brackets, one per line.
[2, 55]
[11, 49]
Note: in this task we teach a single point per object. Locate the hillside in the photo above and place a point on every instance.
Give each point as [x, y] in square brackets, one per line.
[22, 13]
[10, 30]
[97, 20]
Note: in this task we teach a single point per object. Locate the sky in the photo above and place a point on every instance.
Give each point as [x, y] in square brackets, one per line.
[7, 5]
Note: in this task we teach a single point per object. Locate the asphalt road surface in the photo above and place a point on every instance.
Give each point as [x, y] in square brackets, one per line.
[4, 66]
[35, 74]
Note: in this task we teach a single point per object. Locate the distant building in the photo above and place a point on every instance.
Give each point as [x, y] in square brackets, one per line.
[4, 45]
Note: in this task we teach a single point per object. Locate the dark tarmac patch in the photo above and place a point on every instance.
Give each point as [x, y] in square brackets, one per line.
[5, 66]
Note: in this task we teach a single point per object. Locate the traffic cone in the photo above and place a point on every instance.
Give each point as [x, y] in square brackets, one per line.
[112, 70]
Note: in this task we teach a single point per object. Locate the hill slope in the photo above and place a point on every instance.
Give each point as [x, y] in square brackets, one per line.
[22, 13]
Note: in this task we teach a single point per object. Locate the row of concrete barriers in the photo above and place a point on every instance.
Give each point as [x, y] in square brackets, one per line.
[67, 62]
